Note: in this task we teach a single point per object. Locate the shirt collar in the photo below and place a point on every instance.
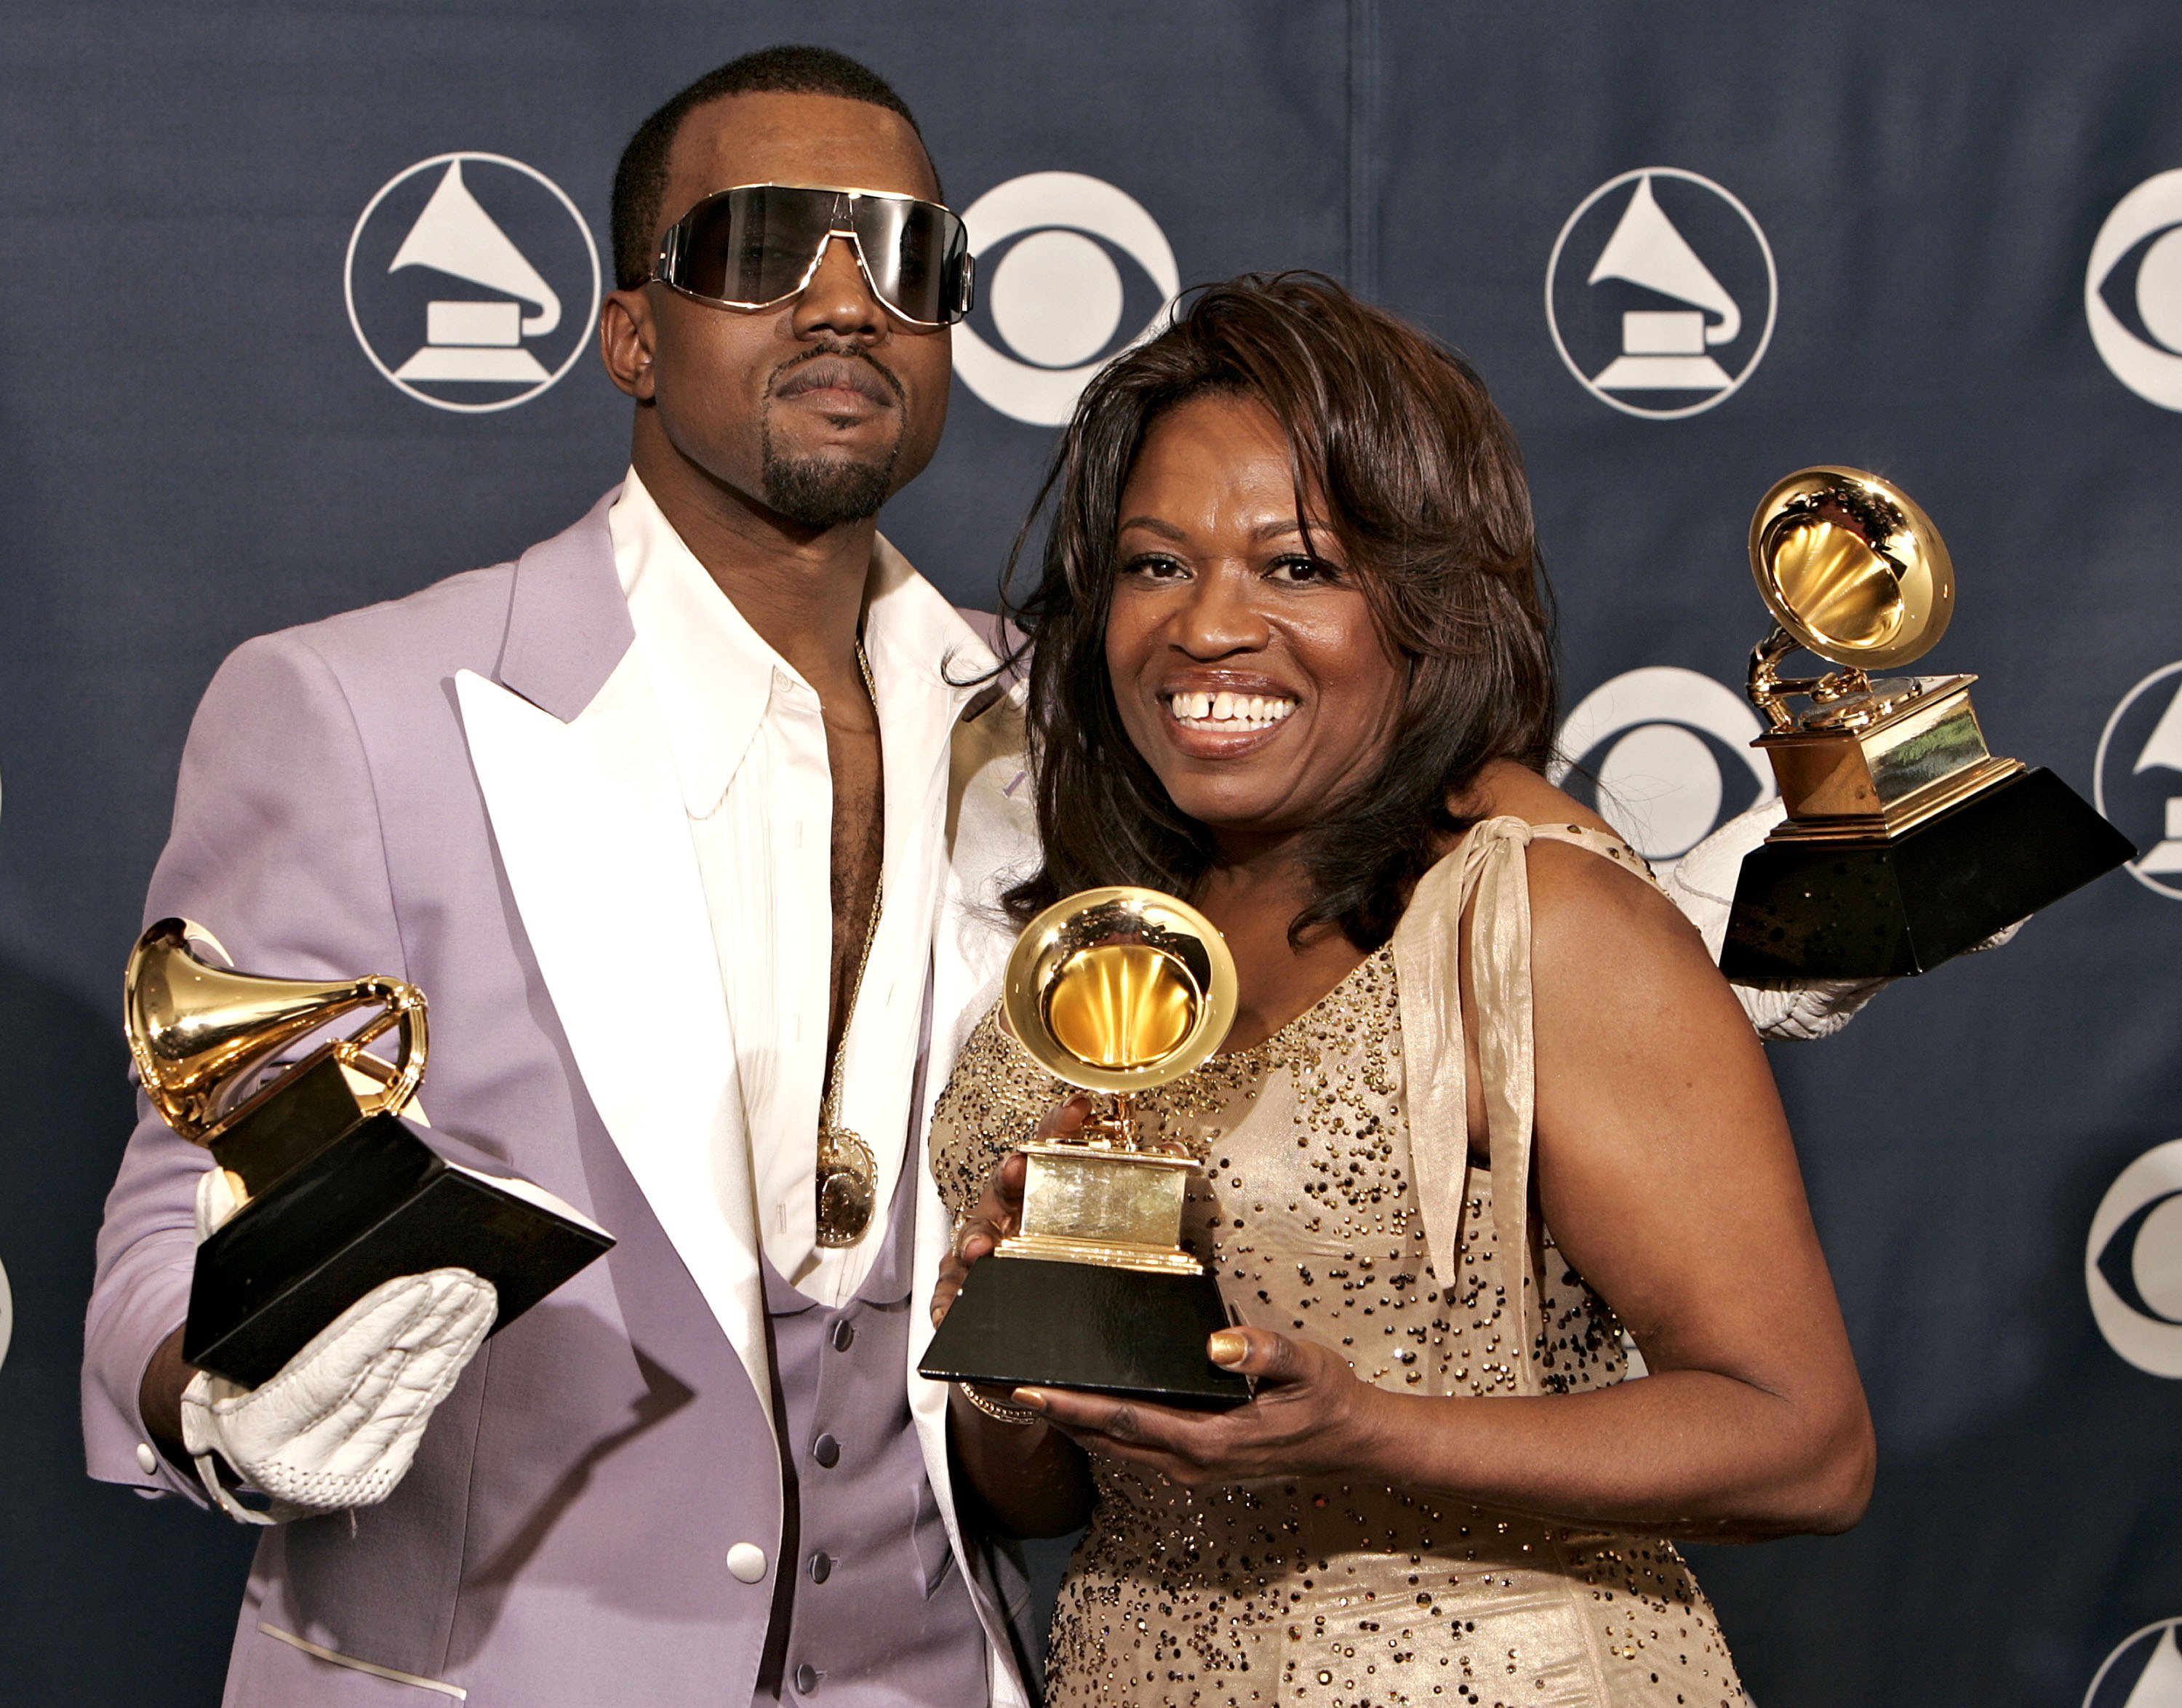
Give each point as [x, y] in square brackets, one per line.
[717, 677]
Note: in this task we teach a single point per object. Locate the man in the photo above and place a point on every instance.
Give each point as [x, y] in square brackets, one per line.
[700, 942]
[624, 810]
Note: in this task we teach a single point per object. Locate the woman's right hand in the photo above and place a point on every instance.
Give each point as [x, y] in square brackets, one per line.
[999, 1211]
[1031, 1480]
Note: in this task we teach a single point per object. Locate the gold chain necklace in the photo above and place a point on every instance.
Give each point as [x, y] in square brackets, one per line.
[848, 1174]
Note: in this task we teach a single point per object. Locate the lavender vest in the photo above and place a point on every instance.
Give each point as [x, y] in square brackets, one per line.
[874, 1611]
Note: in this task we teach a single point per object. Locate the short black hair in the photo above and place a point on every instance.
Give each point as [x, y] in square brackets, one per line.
[790, 68]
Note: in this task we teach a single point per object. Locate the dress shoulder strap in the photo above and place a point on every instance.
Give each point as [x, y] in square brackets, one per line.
[1490, 868]
[1487, 875]
[1600, 843]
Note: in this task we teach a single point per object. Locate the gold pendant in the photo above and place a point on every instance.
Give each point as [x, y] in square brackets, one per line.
[847, 1187]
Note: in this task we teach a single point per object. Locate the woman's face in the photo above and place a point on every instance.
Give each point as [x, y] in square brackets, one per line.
[1247, 669]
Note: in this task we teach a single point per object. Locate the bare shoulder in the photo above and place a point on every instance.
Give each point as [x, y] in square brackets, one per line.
[1587, 913]
[1600, 929]
[1505, 790]
[1570, 886]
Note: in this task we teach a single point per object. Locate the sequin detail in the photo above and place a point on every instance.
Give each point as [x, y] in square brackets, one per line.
[1325, 1591]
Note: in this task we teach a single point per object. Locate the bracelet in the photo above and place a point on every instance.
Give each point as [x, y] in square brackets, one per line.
[1017, 1415]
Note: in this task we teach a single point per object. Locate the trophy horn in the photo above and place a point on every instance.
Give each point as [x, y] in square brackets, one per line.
[1851, 569]
[1121, 989]
[199, 1032]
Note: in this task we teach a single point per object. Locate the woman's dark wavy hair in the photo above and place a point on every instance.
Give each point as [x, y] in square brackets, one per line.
[1422, 483]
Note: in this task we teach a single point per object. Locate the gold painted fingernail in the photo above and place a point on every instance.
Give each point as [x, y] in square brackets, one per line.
[1228, 1347]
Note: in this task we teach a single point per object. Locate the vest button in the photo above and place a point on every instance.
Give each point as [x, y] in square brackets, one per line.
[821, 1567]
[826, 1452]
[806, 1679]
[746, 1562]
[845, 1335]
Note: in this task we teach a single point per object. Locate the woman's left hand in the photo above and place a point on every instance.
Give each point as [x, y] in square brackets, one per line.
[1310, 1417]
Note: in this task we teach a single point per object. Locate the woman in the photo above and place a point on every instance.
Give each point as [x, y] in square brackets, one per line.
[1487, 1105]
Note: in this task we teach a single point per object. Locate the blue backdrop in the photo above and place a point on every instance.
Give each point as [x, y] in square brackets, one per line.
[1692, 246]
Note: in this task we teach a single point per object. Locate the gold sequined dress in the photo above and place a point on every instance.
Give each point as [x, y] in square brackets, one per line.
[1324, 1213]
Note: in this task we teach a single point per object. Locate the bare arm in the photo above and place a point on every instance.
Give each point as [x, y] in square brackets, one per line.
[1665, 1173]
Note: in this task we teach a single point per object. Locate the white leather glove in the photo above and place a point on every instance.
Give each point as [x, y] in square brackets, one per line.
[1702, 886]
[339, 1424]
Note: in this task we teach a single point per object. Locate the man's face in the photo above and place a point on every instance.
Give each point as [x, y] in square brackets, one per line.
[823, 407]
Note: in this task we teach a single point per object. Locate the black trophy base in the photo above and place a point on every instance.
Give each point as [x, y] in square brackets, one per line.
[1904, 904]
[355, 1202]
[1025, 1321]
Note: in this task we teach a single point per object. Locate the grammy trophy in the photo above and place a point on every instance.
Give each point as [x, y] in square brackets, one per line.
[1907, 839]
[1116, 990]
[339, 1189]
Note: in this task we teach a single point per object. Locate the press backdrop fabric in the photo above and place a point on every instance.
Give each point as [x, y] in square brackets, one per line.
[300, 307]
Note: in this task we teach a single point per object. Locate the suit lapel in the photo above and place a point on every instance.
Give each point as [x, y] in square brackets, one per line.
[588, 815]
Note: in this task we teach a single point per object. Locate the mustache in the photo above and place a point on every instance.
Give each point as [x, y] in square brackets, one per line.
[845, 352]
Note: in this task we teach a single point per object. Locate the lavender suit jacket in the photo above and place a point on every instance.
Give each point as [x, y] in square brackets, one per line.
[470, 789]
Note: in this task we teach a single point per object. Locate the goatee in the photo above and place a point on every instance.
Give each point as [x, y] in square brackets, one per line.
[821, 492]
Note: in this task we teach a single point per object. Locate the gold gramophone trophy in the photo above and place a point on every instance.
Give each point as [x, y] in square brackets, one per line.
[1116, 990]
[340, 1190]
[1907, 839]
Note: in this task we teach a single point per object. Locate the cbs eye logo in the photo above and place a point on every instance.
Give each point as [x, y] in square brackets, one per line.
[1055, 307]
[2133, 290]
[2133, 1262]
[1654, 740]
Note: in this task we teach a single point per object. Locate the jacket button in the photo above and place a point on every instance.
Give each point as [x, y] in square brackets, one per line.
[148, 1458]
[845, 1335]
[746, 1561]
[821, 1567]
[806, 1679]
[826, 1452]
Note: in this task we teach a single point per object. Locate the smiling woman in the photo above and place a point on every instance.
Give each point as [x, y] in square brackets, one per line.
[1271, 408]
[1487, 1112]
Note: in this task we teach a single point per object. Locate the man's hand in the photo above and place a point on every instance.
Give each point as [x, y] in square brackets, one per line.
[1702, 886]
[340, 1423]
[1310, 1417]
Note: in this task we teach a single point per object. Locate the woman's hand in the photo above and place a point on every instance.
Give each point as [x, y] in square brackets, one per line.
[1309, 1417]
[1030, 1479]
[999, 1212]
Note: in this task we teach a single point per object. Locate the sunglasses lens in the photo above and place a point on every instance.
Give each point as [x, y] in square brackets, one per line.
[916, 253]
[752, 245]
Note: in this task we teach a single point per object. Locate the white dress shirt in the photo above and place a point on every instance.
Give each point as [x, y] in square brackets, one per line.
[750, 749]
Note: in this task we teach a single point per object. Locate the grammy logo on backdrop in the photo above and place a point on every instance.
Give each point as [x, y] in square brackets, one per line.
[1906, 841]
[1660, 293]
[1664, 350]
[475, 341]
[472, 282]
[2138, 778]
